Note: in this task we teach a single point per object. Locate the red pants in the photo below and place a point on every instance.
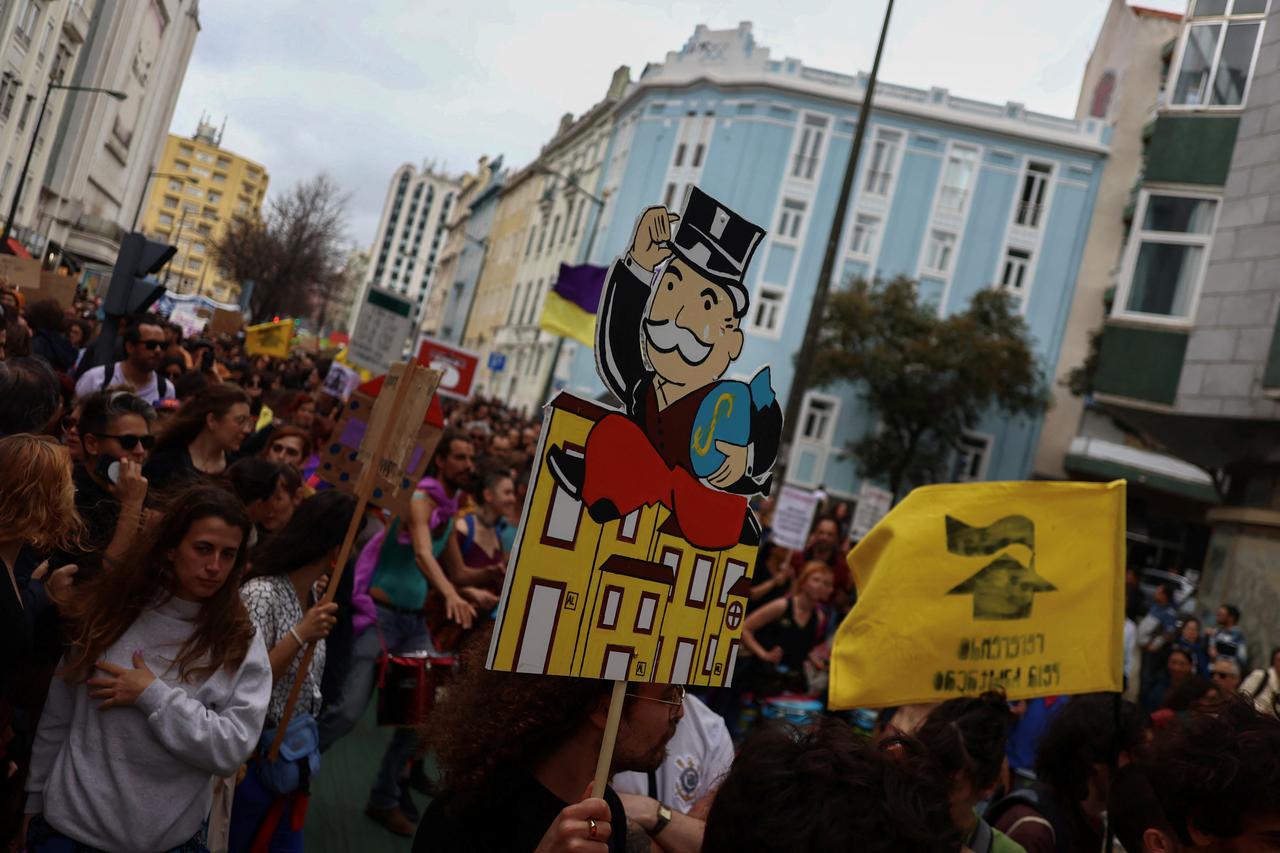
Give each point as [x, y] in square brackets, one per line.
[623, 467]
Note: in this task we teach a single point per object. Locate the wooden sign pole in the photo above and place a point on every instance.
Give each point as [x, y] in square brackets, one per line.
[364, 486]
[610, 738]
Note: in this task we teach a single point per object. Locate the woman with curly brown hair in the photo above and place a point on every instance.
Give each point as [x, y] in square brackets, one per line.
[164, 686]
[518, 753]
[37, 518]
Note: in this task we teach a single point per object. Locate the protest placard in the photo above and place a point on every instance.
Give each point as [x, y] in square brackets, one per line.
[23, 273]
[970, 587]
[873, 503]
[793, 517]
[225, 322]
[269, 339]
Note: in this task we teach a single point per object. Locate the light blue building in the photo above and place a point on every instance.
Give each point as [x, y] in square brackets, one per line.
[957, 193]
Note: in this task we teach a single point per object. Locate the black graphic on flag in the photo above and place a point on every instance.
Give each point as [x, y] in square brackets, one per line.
[1004, 588]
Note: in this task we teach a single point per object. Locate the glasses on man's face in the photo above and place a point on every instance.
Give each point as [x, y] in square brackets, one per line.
[1217, 673]
[129, 442]
[152, 345]
[673, 704]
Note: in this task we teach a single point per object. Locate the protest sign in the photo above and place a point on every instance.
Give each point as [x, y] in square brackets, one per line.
[873, 503]
[225, 322]
[340, 381]
[457, 366]
[23, 273]
[635, 551]
[61, 288]
[970, 587]
[793, 517]
[382, 330]
[272, 339]
[386, 453]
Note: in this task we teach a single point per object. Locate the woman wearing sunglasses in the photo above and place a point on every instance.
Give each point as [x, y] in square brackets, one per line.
[200, 441]
[115, 437]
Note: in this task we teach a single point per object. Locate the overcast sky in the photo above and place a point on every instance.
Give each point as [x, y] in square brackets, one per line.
[306, 86]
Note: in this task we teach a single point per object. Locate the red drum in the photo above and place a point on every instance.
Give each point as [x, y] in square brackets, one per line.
[407, 686]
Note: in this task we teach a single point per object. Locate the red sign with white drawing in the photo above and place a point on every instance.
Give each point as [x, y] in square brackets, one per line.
[457, 366]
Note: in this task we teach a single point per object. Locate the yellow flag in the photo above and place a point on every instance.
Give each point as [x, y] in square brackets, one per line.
[978, 586]
[265, 417]
[271, 339]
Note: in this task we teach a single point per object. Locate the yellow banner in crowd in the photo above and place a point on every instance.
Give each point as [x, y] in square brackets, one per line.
[977, 586]
[271, 339]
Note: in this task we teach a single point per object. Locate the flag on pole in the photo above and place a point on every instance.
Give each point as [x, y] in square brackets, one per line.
[976, 586]
[570, 307]
[272, 339]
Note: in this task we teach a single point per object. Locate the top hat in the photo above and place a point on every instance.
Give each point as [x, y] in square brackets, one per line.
[718, 243]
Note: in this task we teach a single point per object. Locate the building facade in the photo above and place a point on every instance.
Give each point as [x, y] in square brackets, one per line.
[39, 45]
[406, 249]
[105, 149]
[958, 194]
[462, 257]
[560, 230]
[493, 304]
[1190, 353]
[201, 189]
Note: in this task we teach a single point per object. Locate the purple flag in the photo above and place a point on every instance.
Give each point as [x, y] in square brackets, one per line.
[581, 285]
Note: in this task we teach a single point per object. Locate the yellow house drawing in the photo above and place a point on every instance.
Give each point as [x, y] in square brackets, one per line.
[630, 599]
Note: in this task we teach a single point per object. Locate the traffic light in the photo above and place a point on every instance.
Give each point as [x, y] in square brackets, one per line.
[131, 292]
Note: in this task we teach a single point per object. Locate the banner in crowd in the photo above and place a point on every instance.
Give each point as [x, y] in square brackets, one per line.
[457, 366]
[273, 339]
[971, 587]
[635, 551]
[793, 517]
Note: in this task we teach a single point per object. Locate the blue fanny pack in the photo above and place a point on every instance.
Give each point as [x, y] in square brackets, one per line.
[299, 755]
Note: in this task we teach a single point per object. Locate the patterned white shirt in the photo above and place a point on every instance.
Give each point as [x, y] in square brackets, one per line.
[274, 608]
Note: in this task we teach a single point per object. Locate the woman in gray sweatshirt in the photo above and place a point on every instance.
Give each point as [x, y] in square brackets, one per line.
[165, 686]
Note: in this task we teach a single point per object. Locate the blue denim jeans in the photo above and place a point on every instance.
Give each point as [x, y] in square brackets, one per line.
[402, 633]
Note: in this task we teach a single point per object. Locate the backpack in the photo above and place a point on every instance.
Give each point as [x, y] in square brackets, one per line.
[162, 384]
[1023, 797]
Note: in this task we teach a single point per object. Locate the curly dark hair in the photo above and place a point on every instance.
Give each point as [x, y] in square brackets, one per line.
[1216, 770]
[1083, 734]
[967, 736]
[1188, 693]
[492, 723]
[828, 788]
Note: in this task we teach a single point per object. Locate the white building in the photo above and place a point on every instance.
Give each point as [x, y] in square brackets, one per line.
[105, 149]
[39, 45]
[407, 247]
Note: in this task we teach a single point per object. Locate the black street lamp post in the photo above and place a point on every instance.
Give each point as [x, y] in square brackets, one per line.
[31, 149]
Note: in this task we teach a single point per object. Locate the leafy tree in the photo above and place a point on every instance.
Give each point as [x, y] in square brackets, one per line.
[926, 378]
[294, 255]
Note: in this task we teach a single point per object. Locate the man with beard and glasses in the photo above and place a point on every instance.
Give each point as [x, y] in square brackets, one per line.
[518, 753]
[139, 372]
[669, 327]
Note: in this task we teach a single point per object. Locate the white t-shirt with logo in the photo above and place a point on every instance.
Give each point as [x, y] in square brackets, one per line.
[698, 757]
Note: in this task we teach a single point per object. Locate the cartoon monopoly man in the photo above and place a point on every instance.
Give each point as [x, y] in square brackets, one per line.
[669, 326]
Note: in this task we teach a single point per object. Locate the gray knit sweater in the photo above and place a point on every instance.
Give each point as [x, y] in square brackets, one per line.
[140, 778]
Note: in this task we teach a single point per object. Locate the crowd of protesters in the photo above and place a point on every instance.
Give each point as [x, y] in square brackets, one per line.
[168, 549]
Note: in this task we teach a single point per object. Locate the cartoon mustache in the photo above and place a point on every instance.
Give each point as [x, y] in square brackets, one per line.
[666, 336]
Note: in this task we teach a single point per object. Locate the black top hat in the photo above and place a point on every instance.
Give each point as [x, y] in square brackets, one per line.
[718, 243]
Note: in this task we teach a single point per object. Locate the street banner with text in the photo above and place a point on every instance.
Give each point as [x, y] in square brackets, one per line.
[792, 517]
[969, 587]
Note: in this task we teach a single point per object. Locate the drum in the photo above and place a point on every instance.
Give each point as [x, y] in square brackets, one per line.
[796, 710]
[407, 686]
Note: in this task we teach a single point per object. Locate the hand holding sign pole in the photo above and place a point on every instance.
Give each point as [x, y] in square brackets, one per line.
[388, 441]
[634, 555]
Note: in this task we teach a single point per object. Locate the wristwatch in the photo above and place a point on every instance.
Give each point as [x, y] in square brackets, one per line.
[664, 818]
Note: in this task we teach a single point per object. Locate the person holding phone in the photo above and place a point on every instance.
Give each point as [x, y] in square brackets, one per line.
[115, 434]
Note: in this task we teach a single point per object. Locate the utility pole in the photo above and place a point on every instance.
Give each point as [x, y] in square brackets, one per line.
[804, 359]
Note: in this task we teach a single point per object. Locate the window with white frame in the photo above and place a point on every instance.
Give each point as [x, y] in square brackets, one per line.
[884, 153]
[865, 229]
[942, 245]
[791, 219]
[768, 308]
[669, 197]
[1035, 185]
[1013, 275]
[812, 132]
[817, 419]
[970, 460]
[957, 178]
[680, 149]
[27, 18]
[1166, 255]
[1218, 51]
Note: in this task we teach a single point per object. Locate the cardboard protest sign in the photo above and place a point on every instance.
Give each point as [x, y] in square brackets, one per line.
[977, 586]
[793, 517]
[24, 273]
[58, 287]
[341, 463]
[269, 339]
[225, 322]
[635, 551]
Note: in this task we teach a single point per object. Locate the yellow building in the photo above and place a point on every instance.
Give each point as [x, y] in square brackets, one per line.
[630, 599]
[198, 191]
